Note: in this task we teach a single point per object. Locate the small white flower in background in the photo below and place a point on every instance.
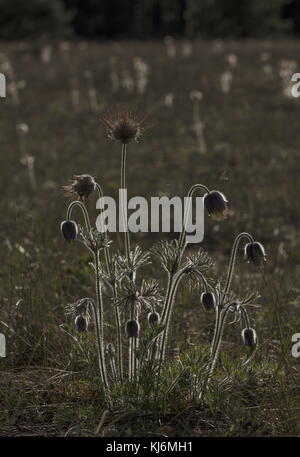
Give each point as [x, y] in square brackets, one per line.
[187, 49]
[170, 45]
[92, 91]
[64, 47]
[169, 100]
[46, 53]
[231, 59]
[264, 56]
[226, 81]
[127, 81]
[267, 69]
[22, 128]
[142, 74]
[196, 95]
[114, 76]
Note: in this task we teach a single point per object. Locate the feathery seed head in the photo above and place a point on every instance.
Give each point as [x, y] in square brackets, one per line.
[82, 186]
[123, 125]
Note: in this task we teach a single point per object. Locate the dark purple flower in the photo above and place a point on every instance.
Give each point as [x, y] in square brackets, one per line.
[153, 318]
[255, 253]
[132, 329]
[216, 205]
[208, 300]
[69, 230]
[249, 337]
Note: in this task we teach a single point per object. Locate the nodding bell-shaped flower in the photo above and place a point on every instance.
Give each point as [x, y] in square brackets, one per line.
[69, 230]
[208, 301]
[255, 253]
[81, 323]
[132, 329]
[153, 318]
[249, 337]
[216, 204]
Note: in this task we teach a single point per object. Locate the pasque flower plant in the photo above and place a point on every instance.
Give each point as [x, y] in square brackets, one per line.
[132, 297]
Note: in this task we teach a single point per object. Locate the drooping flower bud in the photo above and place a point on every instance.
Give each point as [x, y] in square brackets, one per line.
[153, 318]
[249, 337]
[216, 205]
[81, 323]
[208, 300]
[132, 329]
[255, 253]
[69, 230]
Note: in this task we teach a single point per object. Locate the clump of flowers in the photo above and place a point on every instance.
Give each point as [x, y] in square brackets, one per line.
[143, 310]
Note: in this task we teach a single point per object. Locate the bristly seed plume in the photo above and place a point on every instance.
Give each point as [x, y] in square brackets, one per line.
[82, 186]
[123, 124]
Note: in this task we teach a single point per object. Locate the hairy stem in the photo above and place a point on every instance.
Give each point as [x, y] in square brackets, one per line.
[123, 186]
[106, 249]
[99, 321]
[99, 346]
[114, 291]
[174, 282]
[227, 285]
[232, 259]
[245, 316]
[187, 210]
[216, 350]
[83, 210]
[119, 339]
[216, 330]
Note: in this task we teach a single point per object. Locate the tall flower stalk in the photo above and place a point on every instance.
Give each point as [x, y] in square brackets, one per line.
[112, 284]
[216, 205]
[98, 311]
[124, 126]
[226, 303]
[124, 191]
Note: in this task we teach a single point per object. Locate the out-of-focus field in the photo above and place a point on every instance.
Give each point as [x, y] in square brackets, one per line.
[239, 135]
